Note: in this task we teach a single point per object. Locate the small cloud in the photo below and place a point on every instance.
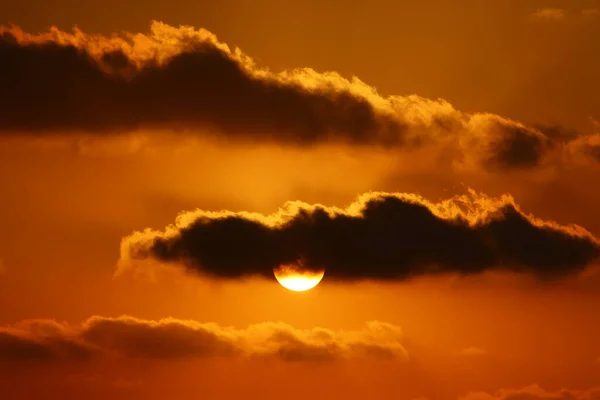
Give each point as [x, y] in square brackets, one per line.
[97, 380]
[473, 351]
[549, 14]
[591, 13]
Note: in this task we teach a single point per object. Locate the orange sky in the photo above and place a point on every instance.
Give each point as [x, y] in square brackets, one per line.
[507, 104]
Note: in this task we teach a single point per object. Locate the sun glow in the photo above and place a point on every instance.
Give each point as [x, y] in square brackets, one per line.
[293, 277]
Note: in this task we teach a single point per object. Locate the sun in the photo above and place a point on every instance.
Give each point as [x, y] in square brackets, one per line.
[294, 277]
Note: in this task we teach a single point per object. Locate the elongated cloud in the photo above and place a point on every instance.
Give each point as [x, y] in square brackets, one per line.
[381, 236]
[175, 78]
[535, 392]
[549, 14]
[185, 79]
[172, 339]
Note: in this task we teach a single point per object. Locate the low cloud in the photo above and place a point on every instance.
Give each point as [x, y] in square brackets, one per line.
[591, 13]
[381, 236]
[99, 381]
[549, 14]
[473, 351]
[172, 339]
[535, 392]
[186, 80]
[559, 14]
[41, 340]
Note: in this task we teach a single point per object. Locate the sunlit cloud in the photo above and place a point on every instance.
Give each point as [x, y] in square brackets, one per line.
[380, 236]
[173, 339]
[184, 80]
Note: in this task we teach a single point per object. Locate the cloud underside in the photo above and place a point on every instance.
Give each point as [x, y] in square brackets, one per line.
[535, 392]
[172, 339]
[381, 236]
[185, 79]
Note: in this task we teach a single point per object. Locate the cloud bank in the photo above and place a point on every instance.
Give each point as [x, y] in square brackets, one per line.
[173, 339]
[187, 80]
[535, 392]
[381, 236]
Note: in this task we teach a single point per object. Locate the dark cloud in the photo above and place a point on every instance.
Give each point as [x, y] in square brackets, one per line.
[13, 346]
[558, 134]
[171, 339]
[382, 236]
[50, 85]
[517, 147]
[186, 80]
[593, 150]
[42, 341]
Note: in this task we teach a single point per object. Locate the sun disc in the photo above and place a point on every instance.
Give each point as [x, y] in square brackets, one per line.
[295, 278]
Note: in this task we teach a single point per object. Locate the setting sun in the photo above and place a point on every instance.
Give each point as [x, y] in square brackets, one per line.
[297, 279]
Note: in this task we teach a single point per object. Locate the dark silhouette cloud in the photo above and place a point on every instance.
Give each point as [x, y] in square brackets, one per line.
[517, 147]
[185, 80]
[382, 236]
[13, 346]
[172, 339]
[40, 341]
[50, 85]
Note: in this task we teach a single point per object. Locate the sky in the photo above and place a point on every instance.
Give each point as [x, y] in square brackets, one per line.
[437, 159]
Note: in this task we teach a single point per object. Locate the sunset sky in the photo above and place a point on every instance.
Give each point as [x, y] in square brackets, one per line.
[438, 160]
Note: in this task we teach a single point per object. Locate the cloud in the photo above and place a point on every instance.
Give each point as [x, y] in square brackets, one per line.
[185, 79]
[473, 351]
[176, 78]
[41, 340]
[549, 14]
[172, 339]
[535, 392]
[591, 12]
[559, 14]
[96, 380]
[380, 236]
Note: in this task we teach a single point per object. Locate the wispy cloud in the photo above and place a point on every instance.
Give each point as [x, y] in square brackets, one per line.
[473, 351]
[560, 14]
[549, 14]
[591, 12]
[534, 392]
